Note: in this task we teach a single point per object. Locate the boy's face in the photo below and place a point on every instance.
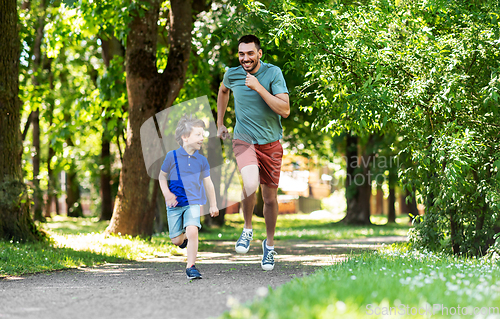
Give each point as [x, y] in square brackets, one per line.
[195, 139]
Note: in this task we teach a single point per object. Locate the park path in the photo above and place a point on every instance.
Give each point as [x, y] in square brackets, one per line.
[158, 288]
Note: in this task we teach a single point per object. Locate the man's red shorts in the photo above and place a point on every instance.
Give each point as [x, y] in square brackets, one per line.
[267, 157]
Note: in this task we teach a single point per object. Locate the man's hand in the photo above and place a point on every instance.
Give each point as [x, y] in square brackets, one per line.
[222, 132]
[252, 82]
[214, 211]
[171, 200]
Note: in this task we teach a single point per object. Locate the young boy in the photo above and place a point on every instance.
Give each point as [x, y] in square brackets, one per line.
[184, 178]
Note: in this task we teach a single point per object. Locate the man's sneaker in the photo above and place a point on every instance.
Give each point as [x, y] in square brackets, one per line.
[268, 257]
[243, 244]
[184, 244]
[193, 273]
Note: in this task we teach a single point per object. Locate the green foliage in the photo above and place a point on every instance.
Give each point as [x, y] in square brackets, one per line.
[425, 72]
[394, 277]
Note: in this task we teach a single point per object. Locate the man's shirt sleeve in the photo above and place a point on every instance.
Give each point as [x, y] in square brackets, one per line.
[278, 85]
[226, 81]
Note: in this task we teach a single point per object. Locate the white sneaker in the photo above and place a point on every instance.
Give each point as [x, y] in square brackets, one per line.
[243, 244]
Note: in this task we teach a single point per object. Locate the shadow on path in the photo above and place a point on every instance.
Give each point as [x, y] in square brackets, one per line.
[158, 288]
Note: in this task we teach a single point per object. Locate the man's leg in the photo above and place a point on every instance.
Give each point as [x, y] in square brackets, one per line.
[250, 176]
[270, 197]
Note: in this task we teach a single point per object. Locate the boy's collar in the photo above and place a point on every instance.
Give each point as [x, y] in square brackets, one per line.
[183, 152]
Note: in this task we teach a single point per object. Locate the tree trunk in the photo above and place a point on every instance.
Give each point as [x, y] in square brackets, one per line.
[37, 53]
[15, 220]
[51, 189]
[215, 160]
[358, 186]
[379, 200]
[391, 215]
[37, 195]
[110, 48]
[73, 205]
[409, 207]
[52, 183]
[148, 93]
[106, 199]
[454, 232]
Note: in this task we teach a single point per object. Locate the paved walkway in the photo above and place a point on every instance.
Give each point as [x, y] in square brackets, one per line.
[158, 288]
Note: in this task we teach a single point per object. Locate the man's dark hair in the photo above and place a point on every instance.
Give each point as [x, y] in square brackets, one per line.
[250, 38]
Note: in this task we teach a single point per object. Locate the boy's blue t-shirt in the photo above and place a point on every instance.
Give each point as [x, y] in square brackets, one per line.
[193, 169]
[256, 122]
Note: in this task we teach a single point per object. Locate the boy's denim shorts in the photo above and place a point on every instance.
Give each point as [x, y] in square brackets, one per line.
[181, 217]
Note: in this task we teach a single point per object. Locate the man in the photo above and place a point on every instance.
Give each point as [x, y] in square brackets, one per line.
[260, 99]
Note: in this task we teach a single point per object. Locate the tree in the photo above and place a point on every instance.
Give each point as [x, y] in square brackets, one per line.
[15, 219]
[148, 93]
[426, 71]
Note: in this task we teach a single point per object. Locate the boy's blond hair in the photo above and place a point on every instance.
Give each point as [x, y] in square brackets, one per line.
[185, 127]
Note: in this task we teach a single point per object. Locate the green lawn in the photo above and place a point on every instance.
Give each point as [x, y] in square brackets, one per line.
[396, 280]
[78, 242]
[300, 226]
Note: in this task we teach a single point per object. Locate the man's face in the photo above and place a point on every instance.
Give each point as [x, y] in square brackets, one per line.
[249, 56]
[195, 139]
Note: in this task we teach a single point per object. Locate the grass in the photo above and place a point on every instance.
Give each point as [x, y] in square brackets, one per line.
[79, 242]
[301, 226]
[396, 279]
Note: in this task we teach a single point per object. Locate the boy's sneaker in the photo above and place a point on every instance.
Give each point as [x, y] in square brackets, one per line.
[193, 273]
[268, 257]
[184, 244]
[243, 244]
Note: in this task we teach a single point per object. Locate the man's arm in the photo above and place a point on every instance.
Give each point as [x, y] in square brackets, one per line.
[170, 198]
[279, 103]
[222, 100]
[210, 190]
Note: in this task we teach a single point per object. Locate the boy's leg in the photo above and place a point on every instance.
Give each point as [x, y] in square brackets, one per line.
[192, 247]
[175, 227]
[179, 240]
[192, 222]
[270, 197]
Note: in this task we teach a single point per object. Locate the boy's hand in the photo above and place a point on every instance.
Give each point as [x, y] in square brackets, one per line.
[214, 211]
[171, 200]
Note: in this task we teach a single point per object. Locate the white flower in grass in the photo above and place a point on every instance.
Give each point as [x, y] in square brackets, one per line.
[452, 287]
[341, 306]
[353, 277]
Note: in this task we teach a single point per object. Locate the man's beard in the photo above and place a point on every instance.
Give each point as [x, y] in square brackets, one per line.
[253, 66]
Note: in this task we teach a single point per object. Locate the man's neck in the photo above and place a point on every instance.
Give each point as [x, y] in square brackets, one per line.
[256, 68]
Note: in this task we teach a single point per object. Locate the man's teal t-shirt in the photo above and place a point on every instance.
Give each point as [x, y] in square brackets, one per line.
[256, 122]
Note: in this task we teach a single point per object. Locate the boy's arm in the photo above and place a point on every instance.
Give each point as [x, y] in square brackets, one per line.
[170, 198]
[210, 190]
